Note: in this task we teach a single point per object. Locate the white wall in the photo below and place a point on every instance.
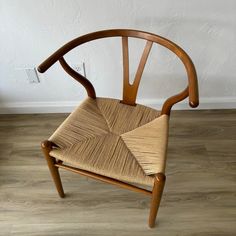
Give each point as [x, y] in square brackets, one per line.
[30, 30]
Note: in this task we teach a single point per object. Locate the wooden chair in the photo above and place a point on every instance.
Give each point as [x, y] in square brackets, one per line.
[117, 142]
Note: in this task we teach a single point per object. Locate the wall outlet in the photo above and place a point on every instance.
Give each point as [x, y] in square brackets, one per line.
[32, 75]
[80, 68]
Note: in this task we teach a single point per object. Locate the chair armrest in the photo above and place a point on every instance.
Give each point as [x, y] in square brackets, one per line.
[77, 76]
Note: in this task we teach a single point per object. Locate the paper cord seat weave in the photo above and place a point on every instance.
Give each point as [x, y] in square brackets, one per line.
[116, 140]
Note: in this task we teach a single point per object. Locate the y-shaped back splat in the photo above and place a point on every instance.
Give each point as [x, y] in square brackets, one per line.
[130, 90]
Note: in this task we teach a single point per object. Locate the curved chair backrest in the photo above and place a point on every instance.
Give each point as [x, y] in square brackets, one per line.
[130, 90]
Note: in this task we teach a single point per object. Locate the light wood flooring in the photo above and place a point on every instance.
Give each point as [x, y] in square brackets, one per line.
[199, 197]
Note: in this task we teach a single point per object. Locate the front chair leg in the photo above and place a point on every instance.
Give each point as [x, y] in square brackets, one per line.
[46, 147]
[157, 191]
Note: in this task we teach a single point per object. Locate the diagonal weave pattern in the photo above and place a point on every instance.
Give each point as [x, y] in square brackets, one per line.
[109, 138]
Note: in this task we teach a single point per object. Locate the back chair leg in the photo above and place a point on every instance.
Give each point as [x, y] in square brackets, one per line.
[46, 147]
[157, 191]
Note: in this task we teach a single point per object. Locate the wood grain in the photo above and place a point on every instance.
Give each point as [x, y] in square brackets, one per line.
[199, 195]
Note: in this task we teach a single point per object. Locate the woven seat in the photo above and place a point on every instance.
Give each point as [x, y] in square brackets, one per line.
[103, 136]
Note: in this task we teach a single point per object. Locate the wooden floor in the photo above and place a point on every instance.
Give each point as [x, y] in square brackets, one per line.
[199, 198]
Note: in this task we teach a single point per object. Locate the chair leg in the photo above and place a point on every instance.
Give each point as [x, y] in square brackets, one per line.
[157, 191]
[46, 147]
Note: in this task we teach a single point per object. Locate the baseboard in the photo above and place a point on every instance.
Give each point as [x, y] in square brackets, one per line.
[68, 106]
[205, 103]
[38, 107]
